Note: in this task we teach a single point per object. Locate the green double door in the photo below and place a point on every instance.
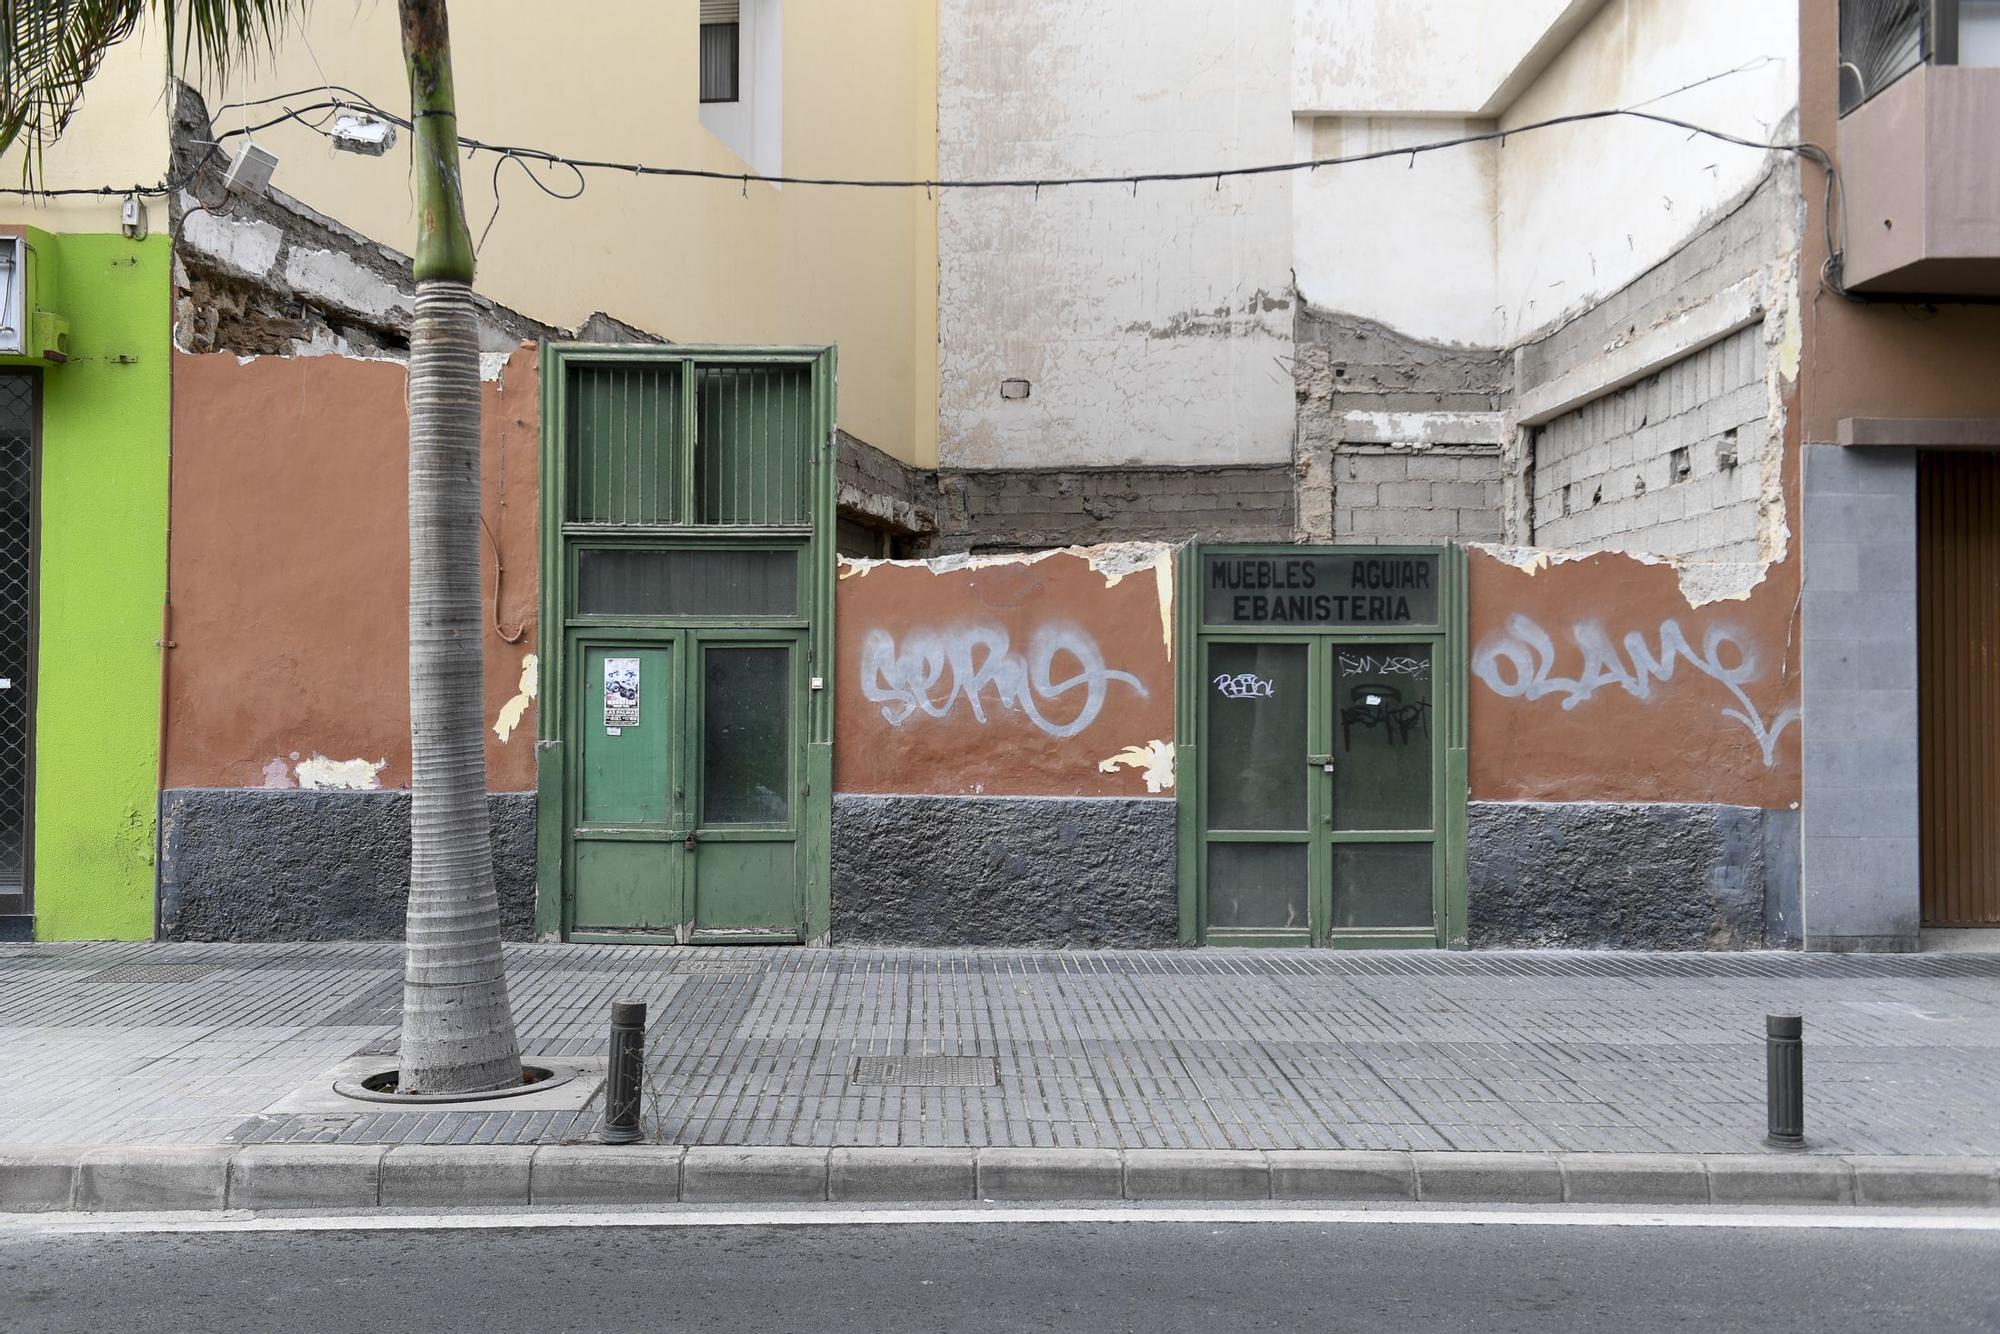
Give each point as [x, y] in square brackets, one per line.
[687, 793]
[1329, 734]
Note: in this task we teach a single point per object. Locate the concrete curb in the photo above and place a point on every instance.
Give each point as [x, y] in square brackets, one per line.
[340, 1176]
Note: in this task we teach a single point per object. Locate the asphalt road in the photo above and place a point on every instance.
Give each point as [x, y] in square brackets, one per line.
[1097, 1275]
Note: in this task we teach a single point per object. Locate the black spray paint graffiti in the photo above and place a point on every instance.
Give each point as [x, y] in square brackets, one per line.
[966, 662]
[1519, 664]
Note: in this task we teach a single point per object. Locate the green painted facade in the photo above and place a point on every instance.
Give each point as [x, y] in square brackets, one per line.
[106, 422]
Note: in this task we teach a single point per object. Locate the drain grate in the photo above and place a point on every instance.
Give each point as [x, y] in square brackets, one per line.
[163, 973]
[727, 967]
[928, 1072]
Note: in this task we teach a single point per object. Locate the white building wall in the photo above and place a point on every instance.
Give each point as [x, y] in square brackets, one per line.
[1585, 209]
[1153, 327]
[1408, 241]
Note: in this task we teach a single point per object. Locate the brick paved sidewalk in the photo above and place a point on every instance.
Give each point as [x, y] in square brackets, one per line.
[188, 1044]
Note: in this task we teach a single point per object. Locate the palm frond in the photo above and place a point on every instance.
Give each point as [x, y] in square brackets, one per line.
[54, 47]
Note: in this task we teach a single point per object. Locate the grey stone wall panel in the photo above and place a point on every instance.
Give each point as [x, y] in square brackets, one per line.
[1085, 872]
[1605, 875]
[243, 864]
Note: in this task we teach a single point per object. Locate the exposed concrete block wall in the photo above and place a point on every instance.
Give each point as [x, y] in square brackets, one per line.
[1672, 464]
[1384, 497]
[1658, 412]
[1008, 509]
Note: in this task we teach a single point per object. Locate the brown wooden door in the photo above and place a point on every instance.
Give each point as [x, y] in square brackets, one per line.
[1958, 665]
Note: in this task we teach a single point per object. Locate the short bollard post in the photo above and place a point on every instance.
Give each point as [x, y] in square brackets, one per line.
[1785, 1081]
[621, 1078]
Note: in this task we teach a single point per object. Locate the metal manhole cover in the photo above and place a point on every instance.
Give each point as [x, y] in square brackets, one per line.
[723, 966]
[151, 972]
[931, 1072]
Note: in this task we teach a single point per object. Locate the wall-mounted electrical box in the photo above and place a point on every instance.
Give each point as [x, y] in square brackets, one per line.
[32, 327]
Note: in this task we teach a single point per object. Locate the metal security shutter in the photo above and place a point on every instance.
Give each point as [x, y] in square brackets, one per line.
[17, 634]
[1958, 666]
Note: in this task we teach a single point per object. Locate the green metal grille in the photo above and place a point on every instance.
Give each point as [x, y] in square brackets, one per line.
[624, 438]
[753, 451]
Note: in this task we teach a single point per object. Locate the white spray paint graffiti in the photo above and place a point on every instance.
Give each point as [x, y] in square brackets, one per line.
[1519, 665]
[965, 662]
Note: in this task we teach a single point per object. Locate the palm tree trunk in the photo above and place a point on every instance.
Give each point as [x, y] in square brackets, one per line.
[458, 1028]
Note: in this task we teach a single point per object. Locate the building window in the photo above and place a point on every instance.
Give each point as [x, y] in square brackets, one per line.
[721, 51]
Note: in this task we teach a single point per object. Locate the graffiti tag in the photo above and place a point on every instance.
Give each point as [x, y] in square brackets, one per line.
[1520, 664]
[932, 671]
[1368, 664]
[1245, 685]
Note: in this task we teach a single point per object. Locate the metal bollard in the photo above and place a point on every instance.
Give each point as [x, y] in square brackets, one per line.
[1785, 1081]
[626, 1064]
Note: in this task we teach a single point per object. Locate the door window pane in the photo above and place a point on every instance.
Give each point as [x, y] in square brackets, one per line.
[1258, 886]
[1256, 739]
[1382, 736]
[686, 583]
[746, 761]
[1382, 884]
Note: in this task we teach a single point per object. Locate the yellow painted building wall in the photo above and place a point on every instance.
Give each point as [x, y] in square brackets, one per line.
[693, 261]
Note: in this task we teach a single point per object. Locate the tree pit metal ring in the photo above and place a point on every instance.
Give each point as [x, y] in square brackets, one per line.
[369, 1088]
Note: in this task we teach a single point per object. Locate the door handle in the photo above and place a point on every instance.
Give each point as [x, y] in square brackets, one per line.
[1323, 761]
[689, 842]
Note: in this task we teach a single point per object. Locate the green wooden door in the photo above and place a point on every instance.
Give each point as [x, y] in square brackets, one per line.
[1327, 758]
[628, 820]
[685, 811]
[684, 764]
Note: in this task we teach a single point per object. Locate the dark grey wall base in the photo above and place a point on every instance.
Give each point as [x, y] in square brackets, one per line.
[1604, 875]
[288, 864]
[1091, 871]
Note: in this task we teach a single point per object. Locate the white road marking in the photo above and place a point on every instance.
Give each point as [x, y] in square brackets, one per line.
[242, 1221]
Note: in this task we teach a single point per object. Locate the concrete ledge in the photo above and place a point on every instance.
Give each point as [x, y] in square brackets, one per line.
[1633, 1178]
[32, 1180]
[1051, 1174]
[1196, 1174]
[747, 1176]
[450, 1174]
[606, 1174]
[306, 1176]
[342, 1176]
[1339, 1174]
[902, 1174]
[153, 1177]
[1795, 1178]
[1926, 1181]
[1499, 1178]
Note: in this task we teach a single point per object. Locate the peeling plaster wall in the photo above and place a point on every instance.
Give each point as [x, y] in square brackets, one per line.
[290, 572]
[1610, 678]
[1036, 675]
[1153, 327]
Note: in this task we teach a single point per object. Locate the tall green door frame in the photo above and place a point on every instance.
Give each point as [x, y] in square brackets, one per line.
[679, 510]
[1317, 644]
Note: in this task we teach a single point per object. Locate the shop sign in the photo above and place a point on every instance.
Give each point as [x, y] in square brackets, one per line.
[1315, 589]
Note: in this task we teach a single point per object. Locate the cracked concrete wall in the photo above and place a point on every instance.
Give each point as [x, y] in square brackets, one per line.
[1153, 328]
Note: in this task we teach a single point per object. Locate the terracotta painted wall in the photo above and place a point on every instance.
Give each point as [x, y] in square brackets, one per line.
[1571, 697]
[1007, 675]
[289, 566]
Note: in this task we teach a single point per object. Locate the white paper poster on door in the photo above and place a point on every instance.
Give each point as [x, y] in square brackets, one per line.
[621, 693]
